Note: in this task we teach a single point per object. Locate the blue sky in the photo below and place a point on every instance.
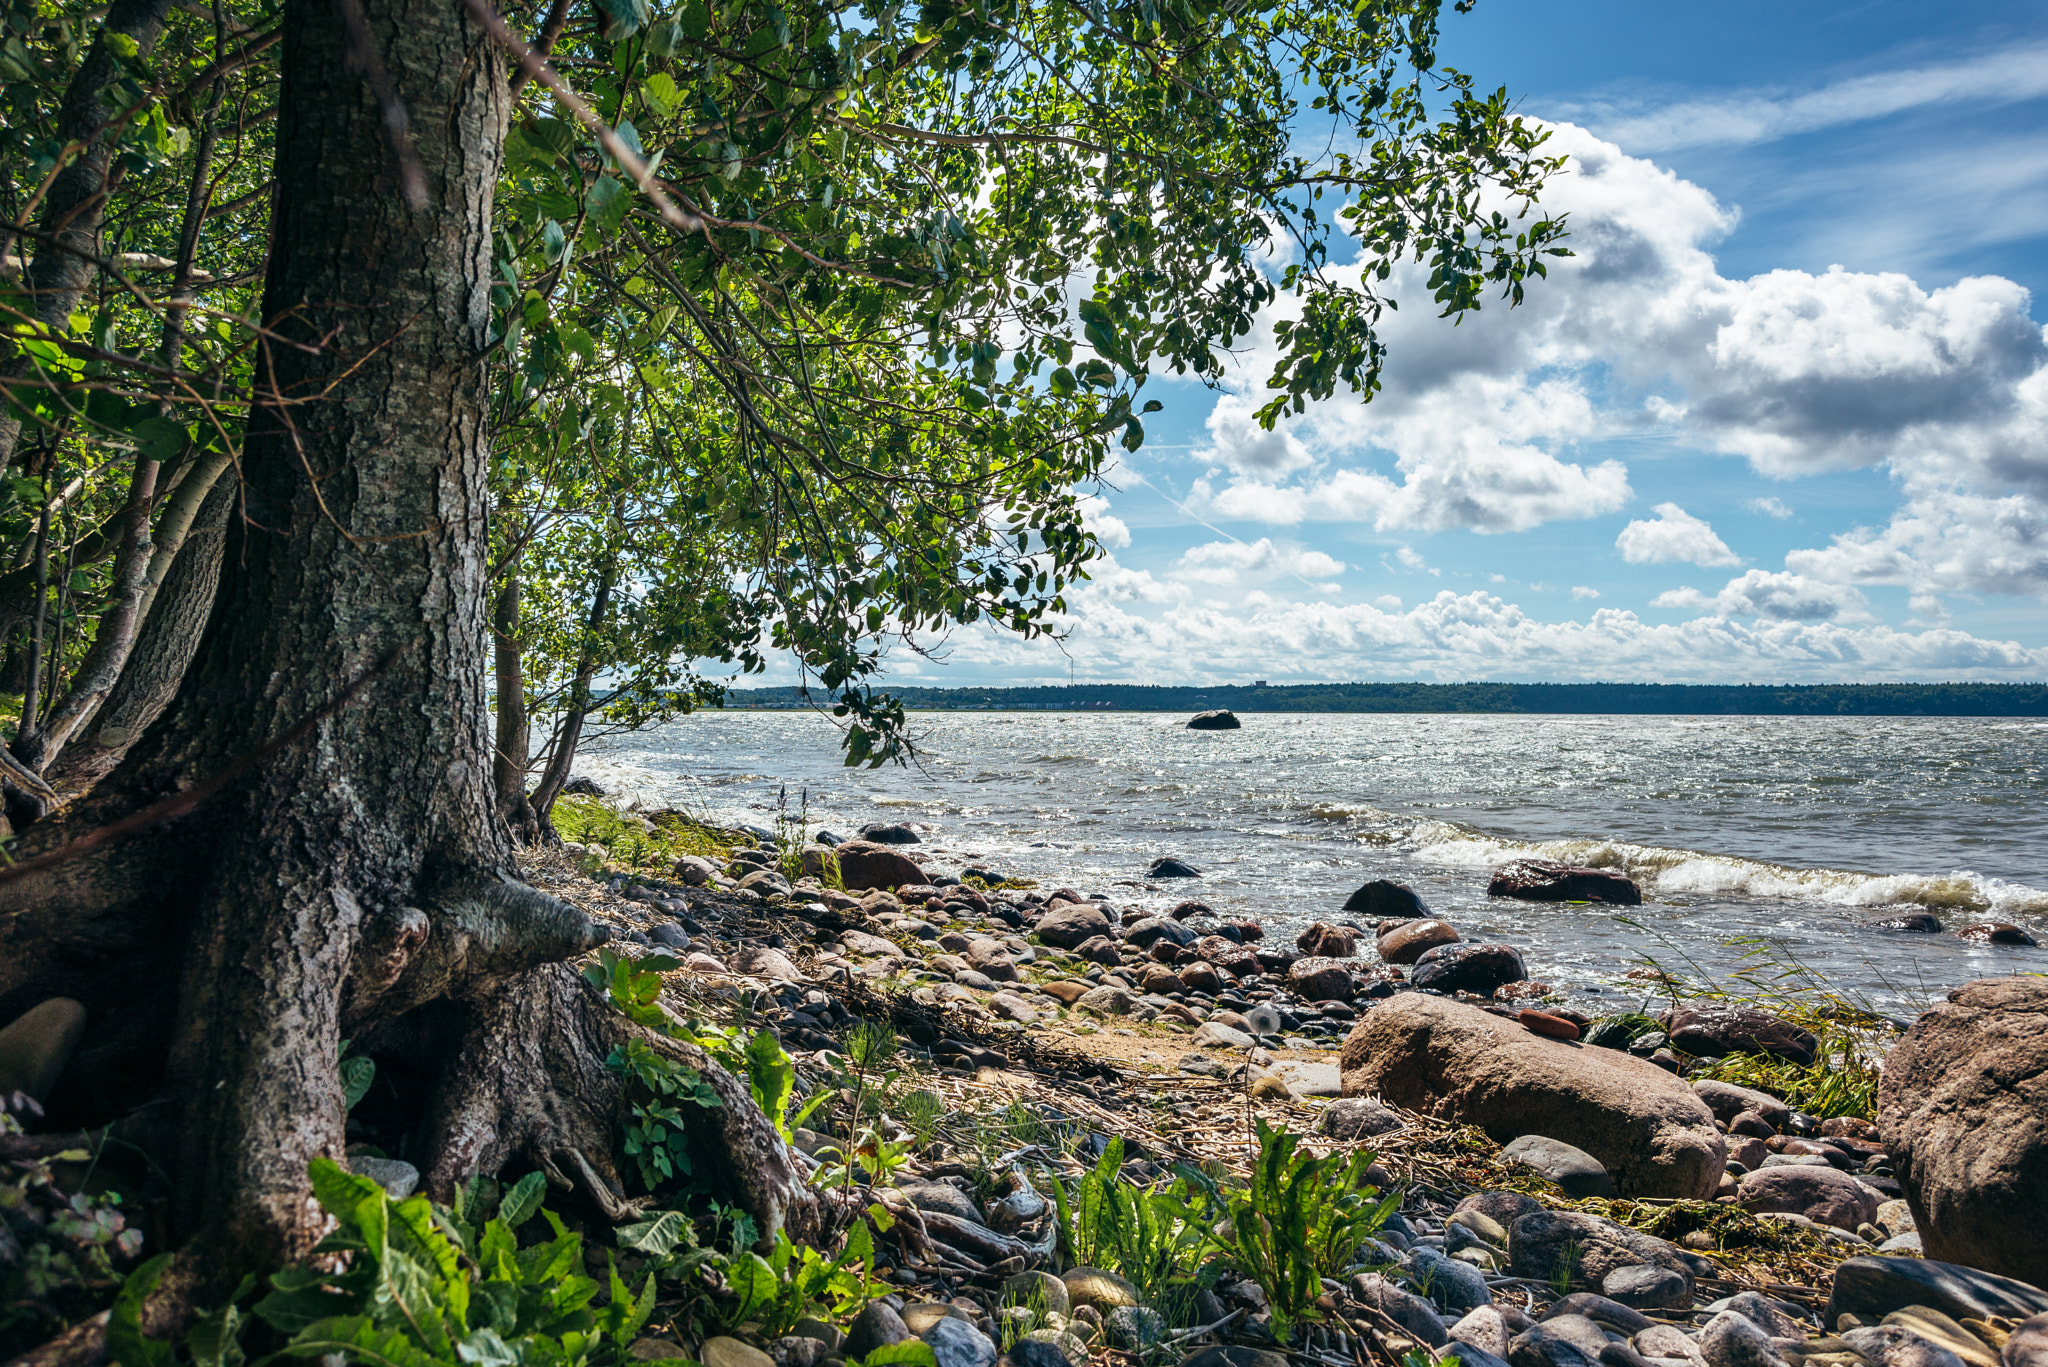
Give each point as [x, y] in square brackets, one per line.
[1783, 418]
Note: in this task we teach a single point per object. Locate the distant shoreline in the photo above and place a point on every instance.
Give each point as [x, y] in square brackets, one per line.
[1589, 699]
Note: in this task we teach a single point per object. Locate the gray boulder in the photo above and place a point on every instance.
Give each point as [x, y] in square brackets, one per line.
[1410, 1311]
[36, 1045]
[1543, 1242]
[2028, 1345]
[1456, 1286]
[1071, 924]
[1646, 1287]
[1820, 1193]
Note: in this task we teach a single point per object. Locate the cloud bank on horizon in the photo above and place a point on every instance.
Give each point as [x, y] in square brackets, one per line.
[1614, 467]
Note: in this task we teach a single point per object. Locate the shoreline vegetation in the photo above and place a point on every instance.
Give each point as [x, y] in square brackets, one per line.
[1577, 699]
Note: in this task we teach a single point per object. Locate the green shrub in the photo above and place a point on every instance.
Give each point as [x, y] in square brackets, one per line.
[1300, 1219]
[1149, 1238]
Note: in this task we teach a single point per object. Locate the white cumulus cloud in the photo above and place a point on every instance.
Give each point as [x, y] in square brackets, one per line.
[1674, 536]
[1228, 562]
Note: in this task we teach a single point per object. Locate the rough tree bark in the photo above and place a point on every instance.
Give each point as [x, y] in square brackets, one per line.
[358, 882]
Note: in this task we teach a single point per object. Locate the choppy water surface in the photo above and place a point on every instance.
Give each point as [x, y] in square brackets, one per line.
[1797, 829]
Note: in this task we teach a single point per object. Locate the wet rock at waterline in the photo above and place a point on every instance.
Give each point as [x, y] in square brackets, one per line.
[1646, 1127]
[1465, 967]
[1410, 940]
[1996, 933]
[1545, 880]
[1221, 719]
[1385, 900]
[1168, 867]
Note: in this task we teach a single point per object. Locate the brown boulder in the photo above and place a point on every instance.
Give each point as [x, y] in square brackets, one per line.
[1964, 1112]
[1653, 1135]
[1163, 981]
[1070, 924]
[1546, 880]
[1325, 941]
[865, 864]
[1065, 990]
[1201, 977]
[1410, 940]
[1320, 980]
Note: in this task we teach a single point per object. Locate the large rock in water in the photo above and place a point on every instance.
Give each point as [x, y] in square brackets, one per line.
[1222, 719]
[1385, 900]
[1652, 1133]
[865, 864]
[1964, 1111]
[1409, 941]
[1546, 880]
[1464, 967]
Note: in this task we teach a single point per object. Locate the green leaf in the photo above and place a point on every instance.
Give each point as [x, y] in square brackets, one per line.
[357, 1073]
[659, 1236]
[126, 1344]
[523, 1200]
[909, 1353]
[341, 1192]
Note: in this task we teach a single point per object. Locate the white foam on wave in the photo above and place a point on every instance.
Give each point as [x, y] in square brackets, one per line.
[1664, 870]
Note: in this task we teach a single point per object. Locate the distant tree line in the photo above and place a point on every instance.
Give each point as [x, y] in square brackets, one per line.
[1839, 700]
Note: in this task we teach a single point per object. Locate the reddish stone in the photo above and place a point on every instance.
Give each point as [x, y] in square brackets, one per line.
[1543, 1023]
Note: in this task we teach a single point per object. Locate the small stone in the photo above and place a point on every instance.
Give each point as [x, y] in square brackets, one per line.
[1404, 1308]
[1483, 1328]
[1132, 1327]
[1030, 1352]
[1729, 1340]
[1456, 1286]
[1605, 1312]
[1168, 867]
[918, 1318]
[1647, 1287]
[1578, 1172]
[1038, 1291]
[796, 1351]
[878, 1326]
[1537, 1346]
[1890, 1345]
[956, 1343]
[1067, 1345]
[730, 1352]
[1764, 1314]
[1666, 1341]
[1213, 1035]
[399, 1179]
[1107, 1001]
[653, 1349]
[1103, 1290]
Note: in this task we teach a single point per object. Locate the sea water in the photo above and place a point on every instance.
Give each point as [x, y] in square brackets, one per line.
[1752, 837]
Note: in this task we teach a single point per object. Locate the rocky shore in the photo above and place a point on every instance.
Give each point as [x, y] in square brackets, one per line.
[1570, 1192]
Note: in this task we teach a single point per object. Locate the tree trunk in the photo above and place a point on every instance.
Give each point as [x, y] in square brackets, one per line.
[102, 665]
[176, 614]
[569, 730]
[63, 265]
[515, 736]
[357, 881]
